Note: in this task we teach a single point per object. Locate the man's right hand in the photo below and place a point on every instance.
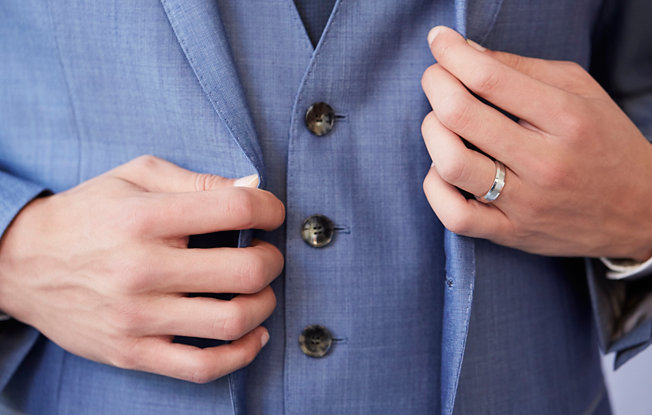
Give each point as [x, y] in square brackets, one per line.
[103, 269]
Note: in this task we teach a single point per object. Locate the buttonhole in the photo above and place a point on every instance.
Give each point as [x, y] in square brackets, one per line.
[340, 116]
[341, 340]
[342, 228]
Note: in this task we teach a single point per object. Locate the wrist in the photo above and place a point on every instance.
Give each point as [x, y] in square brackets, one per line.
[15, 242]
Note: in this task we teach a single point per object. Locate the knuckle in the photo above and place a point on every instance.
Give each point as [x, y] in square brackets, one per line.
[452, 169]
[128, 319]
[528, 212]
[577, 79]
[429, 121]
[573, 127]
[428, 182]
[566, 104]
[456, 222]
[145, 162]
[570, 66]
[270, 301]
[281, 211]
[485, 79]
[199, 377]
[234, 323]
[124, 358]
[246, 356]
[513, 60]
[200, 371]
[136, 217]
[454, 112]
[252, 274]
[278, 258]
[552, 175]
[273, 301]
[429, 75]
[133, 272]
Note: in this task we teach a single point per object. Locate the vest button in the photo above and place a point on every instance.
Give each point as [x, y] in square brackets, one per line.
[320, 118]
[315, 341]
[317, 231]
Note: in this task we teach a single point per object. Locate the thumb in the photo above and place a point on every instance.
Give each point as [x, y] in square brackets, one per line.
[157, 175]
[248, 181]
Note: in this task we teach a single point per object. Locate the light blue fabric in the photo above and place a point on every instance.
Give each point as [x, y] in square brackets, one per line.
[330, 285]
[425, 321]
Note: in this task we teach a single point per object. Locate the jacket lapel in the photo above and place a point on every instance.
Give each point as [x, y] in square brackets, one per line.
[197, 26]
[474, 20]
[199, 30]
[458, 297]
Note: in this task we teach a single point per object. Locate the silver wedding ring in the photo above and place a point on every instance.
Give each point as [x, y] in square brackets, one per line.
[497, 186]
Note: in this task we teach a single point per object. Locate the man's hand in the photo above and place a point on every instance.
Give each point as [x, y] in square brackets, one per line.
[104, 270]
[578, 171]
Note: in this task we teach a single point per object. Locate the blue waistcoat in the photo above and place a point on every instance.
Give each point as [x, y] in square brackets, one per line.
[382, 305]
[424, 321]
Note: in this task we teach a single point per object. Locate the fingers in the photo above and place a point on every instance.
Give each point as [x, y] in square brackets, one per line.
[208, 317]
[462, 216]
[454, 162]
[158, 355]
[221, 270]
[565, 75]
[519, 94]
[229, 208]
[485, 127]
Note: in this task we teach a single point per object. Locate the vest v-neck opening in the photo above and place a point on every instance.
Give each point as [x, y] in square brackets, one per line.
[314, 16]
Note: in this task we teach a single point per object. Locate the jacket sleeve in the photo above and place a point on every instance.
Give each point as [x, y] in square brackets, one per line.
[16, 339]
[622, 63]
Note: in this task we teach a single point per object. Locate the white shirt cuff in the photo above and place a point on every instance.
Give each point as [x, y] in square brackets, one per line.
[623, 268]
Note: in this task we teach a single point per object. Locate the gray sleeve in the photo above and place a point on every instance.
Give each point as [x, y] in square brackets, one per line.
[622, 63]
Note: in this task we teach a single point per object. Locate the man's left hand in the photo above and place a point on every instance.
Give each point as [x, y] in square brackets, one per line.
[578, 171]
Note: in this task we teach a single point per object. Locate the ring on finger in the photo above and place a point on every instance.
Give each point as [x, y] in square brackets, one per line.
[497, 186]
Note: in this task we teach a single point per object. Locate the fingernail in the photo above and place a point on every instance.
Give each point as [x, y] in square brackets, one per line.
[433, 33]
[264, 339]
[247, 181]
[475, 45]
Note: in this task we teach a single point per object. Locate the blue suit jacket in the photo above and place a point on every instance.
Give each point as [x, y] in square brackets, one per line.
[87, 86]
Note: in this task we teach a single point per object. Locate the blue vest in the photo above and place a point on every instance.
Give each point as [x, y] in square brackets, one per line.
[384, 308]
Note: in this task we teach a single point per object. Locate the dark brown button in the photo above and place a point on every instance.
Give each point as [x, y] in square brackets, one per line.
[317, 231]
[315, 341]
[320, 118]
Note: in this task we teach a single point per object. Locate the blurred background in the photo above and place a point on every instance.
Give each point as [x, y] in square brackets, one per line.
[630, 388]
